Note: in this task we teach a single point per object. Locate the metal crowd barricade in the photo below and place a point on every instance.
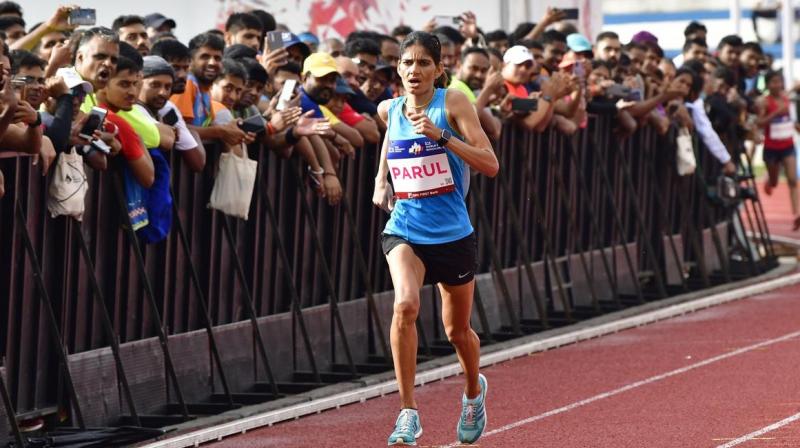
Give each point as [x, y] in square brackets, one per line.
[227, 312]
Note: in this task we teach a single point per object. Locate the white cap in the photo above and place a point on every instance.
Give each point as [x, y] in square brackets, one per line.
[73, 79]
[517, 55]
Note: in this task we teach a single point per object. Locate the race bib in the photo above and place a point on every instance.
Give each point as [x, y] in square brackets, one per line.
[781, 128]
[419, 168]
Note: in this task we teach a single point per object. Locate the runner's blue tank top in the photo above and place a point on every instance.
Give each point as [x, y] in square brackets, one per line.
[435, 219]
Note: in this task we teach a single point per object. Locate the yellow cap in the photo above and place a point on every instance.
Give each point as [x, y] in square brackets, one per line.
[319, 64]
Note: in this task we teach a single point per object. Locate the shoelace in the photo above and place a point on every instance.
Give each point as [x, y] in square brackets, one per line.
[469, 414]
[404, 422]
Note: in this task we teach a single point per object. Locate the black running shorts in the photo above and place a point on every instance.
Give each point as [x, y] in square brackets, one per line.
[449, 263]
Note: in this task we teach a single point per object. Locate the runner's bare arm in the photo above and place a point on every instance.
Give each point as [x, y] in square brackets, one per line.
[383, 166]
[476, 150]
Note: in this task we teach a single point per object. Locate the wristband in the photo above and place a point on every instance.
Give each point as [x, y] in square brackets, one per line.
[319, 172]
[328, 173]
[290, 137]
[38, 121]
[270, 129]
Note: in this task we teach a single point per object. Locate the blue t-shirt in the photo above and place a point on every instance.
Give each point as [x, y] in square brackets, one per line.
[307, 104]
[435, 219]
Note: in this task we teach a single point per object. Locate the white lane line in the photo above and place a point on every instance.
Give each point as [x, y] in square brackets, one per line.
[641, 383]
[761, 431]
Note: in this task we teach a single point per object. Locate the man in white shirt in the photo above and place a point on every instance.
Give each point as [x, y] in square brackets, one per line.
[158, 77]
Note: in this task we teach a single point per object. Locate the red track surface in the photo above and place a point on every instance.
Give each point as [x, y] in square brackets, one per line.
[705, 406]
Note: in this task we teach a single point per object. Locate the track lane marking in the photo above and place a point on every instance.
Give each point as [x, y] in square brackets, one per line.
[754, 435]
[645, 382]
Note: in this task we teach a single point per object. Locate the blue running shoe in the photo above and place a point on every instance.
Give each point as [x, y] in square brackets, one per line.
[473, 415]
[407, 428]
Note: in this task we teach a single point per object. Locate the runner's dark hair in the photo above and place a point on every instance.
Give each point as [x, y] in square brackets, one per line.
[431, 45]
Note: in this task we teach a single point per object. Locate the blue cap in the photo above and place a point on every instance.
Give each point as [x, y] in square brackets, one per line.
[290, 40]
[578, 43]
[308, 38]
[342, 87]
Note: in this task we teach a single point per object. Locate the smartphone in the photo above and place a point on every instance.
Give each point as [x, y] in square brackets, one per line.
[618, 91]
[255, 124]
[19, 88]
[93, 122]
[274, 40]
[524, 104]
[170, 118]
[82, 17]
[578, 69]
[453, 21]
[570, 13]
[286, 94]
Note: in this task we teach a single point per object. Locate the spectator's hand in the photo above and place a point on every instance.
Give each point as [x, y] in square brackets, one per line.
[7, 96]
[307, 125]
[47, 155]
[494, 81]
[110, 139]
[25, 113]
[59, 21]
[430, 26]
[61, 56]
[622, 104]
[232, 135]
[469, 25]
[557, 86]
[553, 15]
[345, 147]
[283, 119]
[505, 107]
[729, 168]
[56, 87]
[2, 185]
[676, 89]
[332, 188]
[424, 126]
[383, 195]
[274, 59]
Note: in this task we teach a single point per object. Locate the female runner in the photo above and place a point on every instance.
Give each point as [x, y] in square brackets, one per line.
[433, 136]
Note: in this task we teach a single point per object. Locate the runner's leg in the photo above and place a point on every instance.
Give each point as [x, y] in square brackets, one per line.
[773, 173]
[456, 311]
[408, 275]
[790, 169]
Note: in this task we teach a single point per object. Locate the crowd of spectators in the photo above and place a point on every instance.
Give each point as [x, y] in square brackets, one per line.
[161, 94]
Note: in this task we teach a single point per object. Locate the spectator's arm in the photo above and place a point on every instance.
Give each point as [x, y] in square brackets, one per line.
[490, 124]
[350, 134]
[551, 16]
[22, 138]
[8, 101]
[330, 183]
[61, 127]
[709, 135]
[167, 136]
[58, 22]
[142, 169]
[368, 129]
[195, 158]
[476, 149]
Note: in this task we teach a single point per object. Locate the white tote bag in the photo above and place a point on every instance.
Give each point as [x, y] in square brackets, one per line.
[685, 154]
[233, 187]
[69, 186]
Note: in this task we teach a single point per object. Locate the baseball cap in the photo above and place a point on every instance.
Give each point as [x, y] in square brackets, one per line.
[578, 43]
[157, 20]
[342, 87]
[320, 64]
[290, 40]
[517, 55]
[73, 79]
[308, 38]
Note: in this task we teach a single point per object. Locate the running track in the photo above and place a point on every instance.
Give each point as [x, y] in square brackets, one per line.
[724, 376]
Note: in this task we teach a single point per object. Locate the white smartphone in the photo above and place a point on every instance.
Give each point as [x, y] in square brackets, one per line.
[286, 94]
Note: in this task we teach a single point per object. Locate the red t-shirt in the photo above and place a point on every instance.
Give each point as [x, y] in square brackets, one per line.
[517, 90]
[132, 146]
[349, 116]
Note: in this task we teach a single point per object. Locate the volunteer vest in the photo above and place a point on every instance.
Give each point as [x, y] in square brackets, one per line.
[430, 181]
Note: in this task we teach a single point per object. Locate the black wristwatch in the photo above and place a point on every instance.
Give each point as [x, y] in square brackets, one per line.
[444, 138]
[38, 121]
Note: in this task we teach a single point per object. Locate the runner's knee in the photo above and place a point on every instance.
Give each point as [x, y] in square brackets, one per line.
[458, 335]
[406, 307]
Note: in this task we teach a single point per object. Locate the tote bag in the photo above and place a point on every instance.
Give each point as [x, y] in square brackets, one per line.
[685, 154]
[68, 187]
[233, 187]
